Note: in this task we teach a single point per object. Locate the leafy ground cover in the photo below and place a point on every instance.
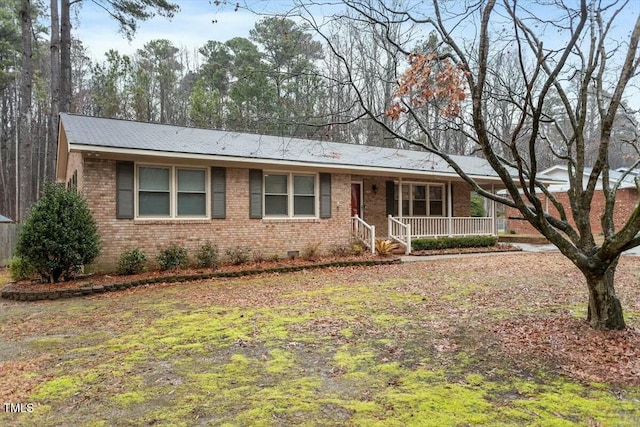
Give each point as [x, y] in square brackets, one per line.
[470, 341]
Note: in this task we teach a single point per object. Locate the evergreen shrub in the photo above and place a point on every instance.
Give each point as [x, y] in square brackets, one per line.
[453, 242]
[59, 235]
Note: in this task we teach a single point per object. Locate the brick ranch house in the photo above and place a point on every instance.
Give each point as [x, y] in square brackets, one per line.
[150, 185]
[626, 200]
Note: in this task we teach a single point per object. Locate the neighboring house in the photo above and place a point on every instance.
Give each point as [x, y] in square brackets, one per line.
[8, 239]
[626, 199]
[150, 185]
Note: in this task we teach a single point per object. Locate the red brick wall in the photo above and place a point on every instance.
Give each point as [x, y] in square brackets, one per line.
[626, 200]
[264, 236]
[461, 199]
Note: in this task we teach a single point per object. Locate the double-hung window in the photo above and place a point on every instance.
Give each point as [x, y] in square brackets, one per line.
[192, 192]
[154, 191]
[436, 205]
[420, 199]
[304, 195]
[276, 198]
[290, 195]
[171, 192]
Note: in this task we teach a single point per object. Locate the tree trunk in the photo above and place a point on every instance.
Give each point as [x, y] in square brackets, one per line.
[50, 151]
[24, 119]
[65, 56]
[604, 311]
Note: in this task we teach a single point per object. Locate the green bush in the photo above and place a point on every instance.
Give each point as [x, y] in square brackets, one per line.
[172, 258]
[207, 256]
[238, 255]
[454, 242]
[19, 269]
[59, 235]
[477, 205]
[132, 262]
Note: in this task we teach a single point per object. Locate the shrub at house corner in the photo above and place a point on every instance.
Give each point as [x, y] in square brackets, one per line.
[59, 234]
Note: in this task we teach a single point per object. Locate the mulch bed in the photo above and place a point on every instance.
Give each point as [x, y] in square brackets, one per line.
[98, 283]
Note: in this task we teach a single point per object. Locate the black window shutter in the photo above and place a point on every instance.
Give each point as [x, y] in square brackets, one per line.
[124, 190]
[390, 192]
[218, 192]
[255, 193]
[325, 195]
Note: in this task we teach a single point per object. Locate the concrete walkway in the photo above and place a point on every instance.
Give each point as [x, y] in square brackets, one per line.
[416, 258]
[526, 247]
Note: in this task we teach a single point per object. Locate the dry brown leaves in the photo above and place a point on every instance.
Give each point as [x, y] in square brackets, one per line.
[579, 351]
[18, 379]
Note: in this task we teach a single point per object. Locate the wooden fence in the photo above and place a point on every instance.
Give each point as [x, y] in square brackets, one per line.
[8, 240]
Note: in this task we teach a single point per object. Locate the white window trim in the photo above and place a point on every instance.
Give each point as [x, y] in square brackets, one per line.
[290, 195]
[427, 195]
[173, 192]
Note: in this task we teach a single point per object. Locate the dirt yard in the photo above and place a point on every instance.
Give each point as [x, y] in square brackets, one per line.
[492, 340]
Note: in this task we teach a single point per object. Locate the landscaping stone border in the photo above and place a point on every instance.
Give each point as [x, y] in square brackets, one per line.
[89, 289]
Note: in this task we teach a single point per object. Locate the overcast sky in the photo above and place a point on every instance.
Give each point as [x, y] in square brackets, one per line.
[195, 23]
[200, 20]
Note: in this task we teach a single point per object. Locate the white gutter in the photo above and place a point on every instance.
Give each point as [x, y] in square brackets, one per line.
[261, 161]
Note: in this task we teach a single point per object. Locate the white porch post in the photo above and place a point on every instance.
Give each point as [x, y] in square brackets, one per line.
[449, 206]
[373, 240]
[408, 247]
[400, 197]
[494, 214]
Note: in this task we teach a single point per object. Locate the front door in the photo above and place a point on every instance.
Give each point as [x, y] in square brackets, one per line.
[356, 199]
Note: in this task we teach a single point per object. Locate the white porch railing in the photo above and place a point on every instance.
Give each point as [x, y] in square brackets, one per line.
[400, 232]
[448, 226]
[364, 233]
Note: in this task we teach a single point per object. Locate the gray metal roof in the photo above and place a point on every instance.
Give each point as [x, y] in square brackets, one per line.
[177, 140]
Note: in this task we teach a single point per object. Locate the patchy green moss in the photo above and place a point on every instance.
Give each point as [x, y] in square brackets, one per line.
[474, 379]
[57, 389]
[435, 404]
[289, 401]
[275, 325]
[347, 332]
[48, 343]
[564, 403]
[128, 398]
[279, 362]
[351, 358]
[389, 320]
[216, 327]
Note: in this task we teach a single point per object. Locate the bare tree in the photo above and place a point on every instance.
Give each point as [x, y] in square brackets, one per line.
[55, 90]
[561, 55]
[25, 110]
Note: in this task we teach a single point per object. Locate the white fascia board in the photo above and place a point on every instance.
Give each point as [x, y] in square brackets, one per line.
[268, 162]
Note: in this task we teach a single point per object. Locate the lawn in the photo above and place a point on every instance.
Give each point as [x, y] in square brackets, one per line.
[494, 340]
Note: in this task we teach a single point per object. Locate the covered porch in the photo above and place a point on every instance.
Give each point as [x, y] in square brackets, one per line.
[416, 208]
